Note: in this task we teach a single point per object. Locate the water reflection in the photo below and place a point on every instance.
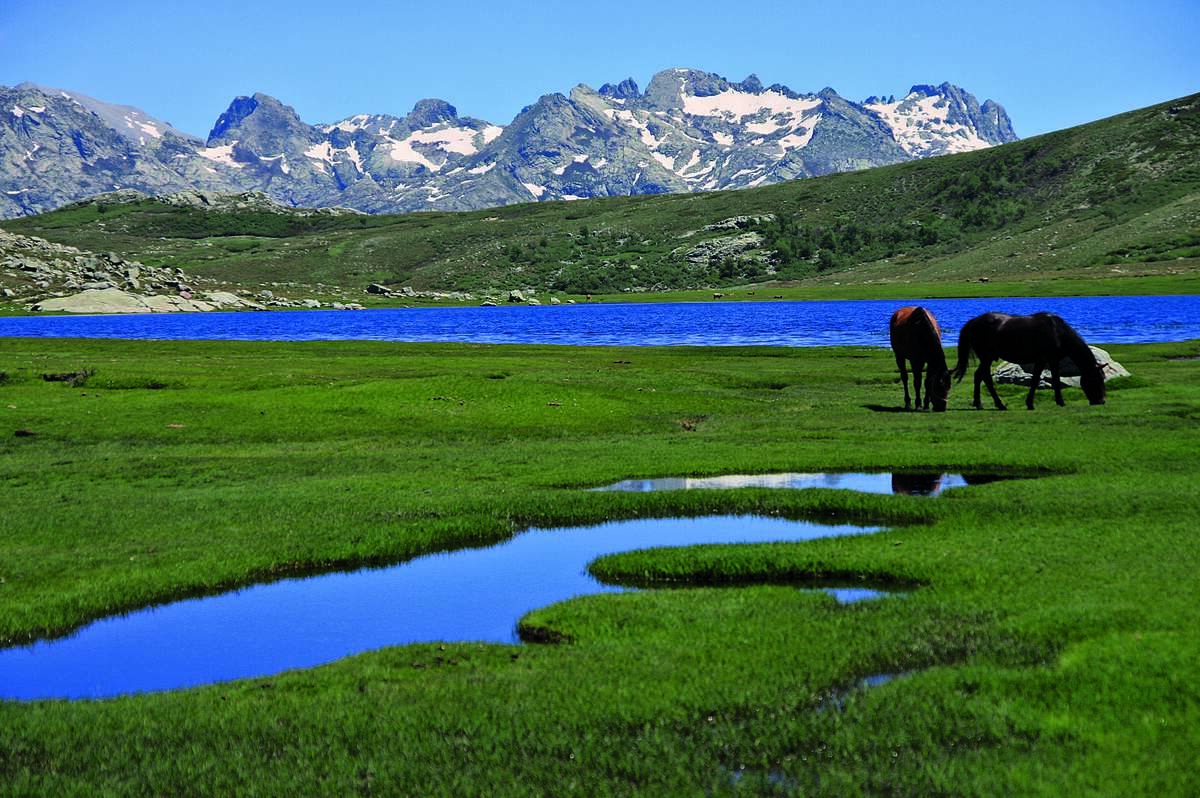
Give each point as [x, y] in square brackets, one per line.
[466, 595]
[912, 484]
[918, 484]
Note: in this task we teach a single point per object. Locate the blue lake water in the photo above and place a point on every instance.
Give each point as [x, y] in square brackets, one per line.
[1099, 320]
[466, 595]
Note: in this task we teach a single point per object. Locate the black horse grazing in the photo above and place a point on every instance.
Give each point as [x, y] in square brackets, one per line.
[917, 338]
[1042, 339]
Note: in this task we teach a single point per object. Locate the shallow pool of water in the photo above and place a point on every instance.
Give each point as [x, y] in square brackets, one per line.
[913, 484]
[466, 595]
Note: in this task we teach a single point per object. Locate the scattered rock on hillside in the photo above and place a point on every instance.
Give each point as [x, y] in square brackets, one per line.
[740, 222]
[719, 249]
[256, 201]
[407, 292]
[45, 276]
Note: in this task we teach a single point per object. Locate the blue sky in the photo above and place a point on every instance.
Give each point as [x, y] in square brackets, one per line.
[1050, 64]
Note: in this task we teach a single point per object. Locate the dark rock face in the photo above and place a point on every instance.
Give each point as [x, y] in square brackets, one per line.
[239, 110]
[689, 131]
[625, 90]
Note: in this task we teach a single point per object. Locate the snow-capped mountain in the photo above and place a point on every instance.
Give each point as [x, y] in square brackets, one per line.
[688, 131]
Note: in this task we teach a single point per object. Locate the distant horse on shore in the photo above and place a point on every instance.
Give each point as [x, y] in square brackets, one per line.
[916, 338]
[1042, 339]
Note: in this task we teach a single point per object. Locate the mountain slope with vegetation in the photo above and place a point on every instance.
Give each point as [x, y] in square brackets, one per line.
[1112, 199]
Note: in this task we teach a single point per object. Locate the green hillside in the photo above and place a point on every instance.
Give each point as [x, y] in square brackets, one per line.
[1101, 203]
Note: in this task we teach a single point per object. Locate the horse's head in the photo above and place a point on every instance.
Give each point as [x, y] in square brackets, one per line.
[937, 388]
[1092, 383]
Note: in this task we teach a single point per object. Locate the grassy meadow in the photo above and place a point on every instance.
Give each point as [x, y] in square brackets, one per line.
[1047, 644]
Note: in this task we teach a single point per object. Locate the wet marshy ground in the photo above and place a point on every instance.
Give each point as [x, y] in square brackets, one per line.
[466, 595]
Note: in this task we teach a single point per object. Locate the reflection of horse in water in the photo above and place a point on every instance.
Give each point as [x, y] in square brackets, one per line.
[1042, 339]
[916, 338]
[917, 484]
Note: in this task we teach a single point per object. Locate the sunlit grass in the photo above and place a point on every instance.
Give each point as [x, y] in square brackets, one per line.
[1045, 633]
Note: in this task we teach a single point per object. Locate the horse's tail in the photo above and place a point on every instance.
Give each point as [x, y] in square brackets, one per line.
[964, 352]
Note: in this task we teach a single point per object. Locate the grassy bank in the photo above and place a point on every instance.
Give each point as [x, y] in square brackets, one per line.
[1047, 648]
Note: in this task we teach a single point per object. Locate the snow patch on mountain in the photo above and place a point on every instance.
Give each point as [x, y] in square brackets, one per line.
[422, 146]
[351, 124]
[736, 105]
[222, 155]
[146, 127]
[921, 125]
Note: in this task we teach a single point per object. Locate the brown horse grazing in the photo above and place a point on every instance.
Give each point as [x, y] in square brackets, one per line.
[1042, 339]
[916, 338]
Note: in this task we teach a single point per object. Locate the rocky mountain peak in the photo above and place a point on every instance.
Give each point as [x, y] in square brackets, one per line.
[238, 110]
[937, 120]
[668, 88]
[430, 112]
[625, 90]
[255, 117]
[751, 84]
[689, 130]
[926, 89]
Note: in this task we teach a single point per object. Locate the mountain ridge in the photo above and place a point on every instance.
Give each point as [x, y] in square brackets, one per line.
[688, 131]
[1109, 205]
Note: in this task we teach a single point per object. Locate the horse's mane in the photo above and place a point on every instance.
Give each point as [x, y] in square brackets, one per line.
[1074, 347]
[931, 335]
[1072, 342]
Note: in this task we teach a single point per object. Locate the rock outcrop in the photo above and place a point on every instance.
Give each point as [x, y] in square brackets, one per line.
[1021, 373]
[43, 276]
[114, 300]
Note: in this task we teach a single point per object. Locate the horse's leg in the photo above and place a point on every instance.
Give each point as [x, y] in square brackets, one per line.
[984, 373]
[1033, 384]
[903, 366]
[917, 367]
[1056, 382]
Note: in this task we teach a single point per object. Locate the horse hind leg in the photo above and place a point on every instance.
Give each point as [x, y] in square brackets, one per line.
[1035, 381]
[903, 366]
[1056, 382]
[917, 368]
[984, 374]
